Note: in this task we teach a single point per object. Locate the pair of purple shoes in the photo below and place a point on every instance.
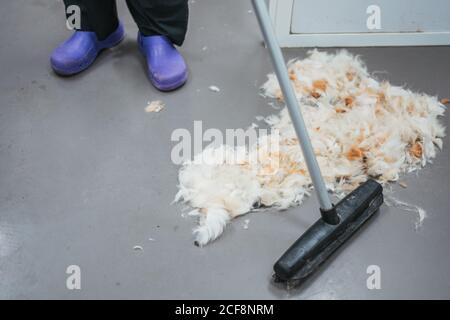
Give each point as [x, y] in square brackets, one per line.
[166, 67]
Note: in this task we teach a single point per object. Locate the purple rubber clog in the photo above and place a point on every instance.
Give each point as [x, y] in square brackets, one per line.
[79, 51]
[167, 69]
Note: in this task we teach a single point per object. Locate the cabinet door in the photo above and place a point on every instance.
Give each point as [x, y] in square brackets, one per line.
[361, 23]
[350, 16]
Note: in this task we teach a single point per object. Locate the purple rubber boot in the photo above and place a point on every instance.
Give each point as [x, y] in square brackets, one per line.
[167, 69]
[79, 51]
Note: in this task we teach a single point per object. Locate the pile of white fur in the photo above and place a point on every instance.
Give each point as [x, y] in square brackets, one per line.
[359, 128]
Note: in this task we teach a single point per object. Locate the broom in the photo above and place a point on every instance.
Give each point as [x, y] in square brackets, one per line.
[338, 222]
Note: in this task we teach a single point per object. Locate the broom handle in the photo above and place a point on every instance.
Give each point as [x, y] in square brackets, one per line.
[291, 101]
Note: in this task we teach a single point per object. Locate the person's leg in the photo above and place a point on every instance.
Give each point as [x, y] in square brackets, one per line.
[161, 17]
[99, 16]
[100, 29]
[162, 23]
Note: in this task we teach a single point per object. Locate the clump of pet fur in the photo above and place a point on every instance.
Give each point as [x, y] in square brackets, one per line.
[359, 128]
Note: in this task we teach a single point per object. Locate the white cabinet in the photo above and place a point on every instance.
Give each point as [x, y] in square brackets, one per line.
[326, 23]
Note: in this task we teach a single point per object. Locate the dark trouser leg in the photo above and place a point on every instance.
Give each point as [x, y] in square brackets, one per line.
[161, 17]
[99, 16]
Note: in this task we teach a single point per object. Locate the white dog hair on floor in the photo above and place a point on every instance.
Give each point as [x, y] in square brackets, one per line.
[359, 128]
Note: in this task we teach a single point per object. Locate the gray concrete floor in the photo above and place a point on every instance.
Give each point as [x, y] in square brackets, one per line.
[85, 173]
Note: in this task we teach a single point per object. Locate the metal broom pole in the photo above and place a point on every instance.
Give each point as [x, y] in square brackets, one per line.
[328, 214]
